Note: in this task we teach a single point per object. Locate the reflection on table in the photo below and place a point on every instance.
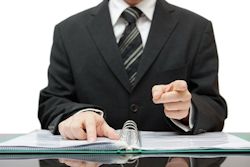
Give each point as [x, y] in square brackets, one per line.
[90, 161]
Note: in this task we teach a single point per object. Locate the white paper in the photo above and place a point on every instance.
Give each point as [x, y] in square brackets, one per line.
[149, 141]
[172, 141]
[44, 139]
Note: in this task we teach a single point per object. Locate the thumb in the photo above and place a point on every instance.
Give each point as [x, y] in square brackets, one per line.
[157, 91]
[168, 87]
[110, 132]
[179, 85]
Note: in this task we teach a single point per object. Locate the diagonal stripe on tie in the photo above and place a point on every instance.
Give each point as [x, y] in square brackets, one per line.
[133, 57]
[130, 44]
[128, 39]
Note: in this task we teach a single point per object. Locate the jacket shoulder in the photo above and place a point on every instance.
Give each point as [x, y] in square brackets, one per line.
[189, 20]
[82, 17]
[190, 13]
[189, 16]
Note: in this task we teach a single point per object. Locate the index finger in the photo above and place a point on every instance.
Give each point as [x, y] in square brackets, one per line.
[109, 132]
[90, 126]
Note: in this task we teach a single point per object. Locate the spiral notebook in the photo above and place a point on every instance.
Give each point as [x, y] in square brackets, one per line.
[131, 141]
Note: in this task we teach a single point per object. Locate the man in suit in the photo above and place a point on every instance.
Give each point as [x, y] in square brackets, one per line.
[144, 60]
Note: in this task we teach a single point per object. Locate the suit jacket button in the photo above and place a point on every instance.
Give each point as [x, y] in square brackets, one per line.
[134, 108]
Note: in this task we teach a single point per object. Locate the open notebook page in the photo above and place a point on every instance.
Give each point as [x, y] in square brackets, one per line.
[44, 139]
[172, 141]
[149, 141]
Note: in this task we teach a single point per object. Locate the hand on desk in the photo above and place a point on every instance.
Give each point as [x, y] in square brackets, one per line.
[86, 125]
[175, 98]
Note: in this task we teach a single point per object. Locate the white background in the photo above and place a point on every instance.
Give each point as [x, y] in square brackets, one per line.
[26, 30]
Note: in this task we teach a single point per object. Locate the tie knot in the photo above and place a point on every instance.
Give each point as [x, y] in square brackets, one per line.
[131, 14]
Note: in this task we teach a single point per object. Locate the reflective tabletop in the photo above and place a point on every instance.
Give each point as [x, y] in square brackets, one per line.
[89, 160]
[139, 160]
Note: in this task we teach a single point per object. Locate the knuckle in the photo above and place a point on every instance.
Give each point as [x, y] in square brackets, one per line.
[181, 114]
[184, 114]
[86, 115]
[183, 105]
[168, 113]
[66, 127]
[75, 127]
[171, 115]
[189, 95]
[167, 107]
[187, 105]
[178, 115]
[165, 97]
[61, 126]
[184, 83]
[154, 88]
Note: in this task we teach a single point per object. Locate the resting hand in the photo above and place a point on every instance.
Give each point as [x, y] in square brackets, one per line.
[175, 97]
[86, 125]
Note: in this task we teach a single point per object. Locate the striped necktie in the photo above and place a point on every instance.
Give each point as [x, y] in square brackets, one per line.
[130, 43]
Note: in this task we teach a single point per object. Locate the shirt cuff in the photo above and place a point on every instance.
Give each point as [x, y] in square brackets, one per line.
[191, 121]
[100, 112]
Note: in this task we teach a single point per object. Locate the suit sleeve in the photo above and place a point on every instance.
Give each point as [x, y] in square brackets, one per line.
[210, 109]
[58, 100]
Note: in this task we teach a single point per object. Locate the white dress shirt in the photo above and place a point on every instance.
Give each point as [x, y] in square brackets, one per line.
[116, 7]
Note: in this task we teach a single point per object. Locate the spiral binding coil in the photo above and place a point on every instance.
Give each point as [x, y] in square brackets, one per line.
[130, 134]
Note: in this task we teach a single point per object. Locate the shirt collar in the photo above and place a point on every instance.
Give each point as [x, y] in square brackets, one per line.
[116, 7]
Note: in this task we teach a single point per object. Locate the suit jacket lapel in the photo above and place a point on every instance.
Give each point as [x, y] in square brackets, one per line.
[163, 24]
[102, 33]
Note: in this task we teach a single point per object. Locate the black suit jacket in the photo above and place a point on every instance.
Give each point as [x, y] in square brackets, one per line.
[86, 70]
